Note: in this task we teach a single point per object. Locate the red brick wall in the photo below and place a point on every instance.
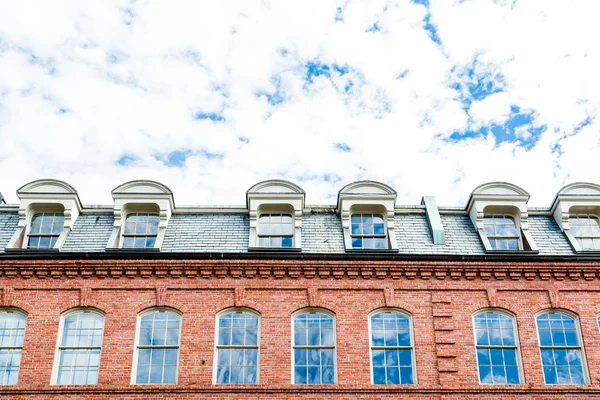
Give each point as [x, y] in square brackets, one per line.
[440, 297]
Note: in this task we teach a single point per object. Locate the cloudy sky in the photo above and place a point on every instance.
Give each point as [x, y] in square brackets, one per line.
[432, 97]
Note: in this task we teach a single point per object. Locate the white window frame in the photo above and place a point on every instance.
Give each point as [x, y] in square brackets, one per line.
[577, 215]
[123, 235]
[216, 344]
[372, 213]
[412, 341]
[23, 313]
[137, 341]
[586, 374]
[28, 236]
[61, 327]
[517, 343]
[504, 214]
[335, 347]
[270, 212]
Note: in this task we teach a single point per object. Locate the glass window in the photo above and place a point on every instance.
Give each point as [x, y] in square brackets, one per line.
[79, 348]
[368, 231]
[45, 230]
[392, 354]
[586, 230]
[140, 231]
[237, 348]
[560, 348]
[158, 347]
[275, 230]
[12, 333]
[498, 356]
[314, 348]
[502, 232]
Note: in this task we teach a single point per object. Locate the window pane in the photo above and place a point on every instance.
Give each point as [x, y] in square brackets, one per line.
[314, 329]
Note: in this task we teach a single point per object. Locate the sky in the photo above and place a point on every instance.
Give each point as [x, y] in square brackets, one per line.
[432, 97]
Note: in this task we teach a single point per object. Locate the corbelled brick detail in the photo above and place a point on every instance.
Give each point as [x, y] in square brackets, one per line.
[441, 305]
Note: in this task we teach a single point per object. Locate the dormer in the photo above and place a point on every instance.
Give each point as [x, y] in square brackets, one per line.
[275, 208]
[142, 210]
[499, 213]
[576, 209]
[47, 212]
[367, 212]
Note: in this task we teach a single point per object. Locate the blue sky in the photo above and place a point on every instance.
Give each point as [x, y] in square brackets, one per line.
[433, 97]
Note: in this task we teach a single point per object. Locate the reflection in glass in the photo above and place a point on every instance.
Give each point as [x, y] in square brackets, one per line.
[140, 230]
[275, 230]
[158, 347]
[502, 232]
[12, 333]
[586, 230]
[497, 352]
[391, 348]
[560, 349]
[314, 348]
[368, 231]
[237, 348]
[45, 230]
[79, 350]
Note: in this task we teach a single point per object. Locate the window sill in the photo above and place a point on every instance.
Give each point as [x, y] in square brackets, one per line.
[22, 250]
[374, 251]
[132, 250]
[512, 252]
[275, 249]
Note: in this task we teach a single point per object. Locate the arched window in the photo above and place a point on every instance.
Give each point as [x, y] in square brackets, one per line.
[79, 346]
[157, 347]
[314, 348]
[275, 230]
[140, 230]
[12, 333]
[392, 350]
[497, 347]
[502, 232]
[368, 231]
[45, 230]
[586, 230]
[237, 347]
[561, 348]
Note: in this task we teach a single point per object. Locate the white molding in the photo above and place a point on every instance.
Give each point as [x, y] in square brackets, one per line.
[45, 195]
[368, 196]
[139, 196]
[275, 196]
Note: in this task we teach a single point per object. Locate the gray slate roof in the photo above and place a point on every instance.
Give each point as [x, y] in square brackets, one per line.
[321, 233]
[90, 233]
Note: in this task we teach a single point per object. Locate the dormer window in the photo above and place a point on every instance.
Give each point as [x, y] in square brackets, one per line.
[275, 230]
[586, 230]
[368, 231]
[45, 230]
[576, 210]
[140, 230]
[275, 209]
[502, 232]
[367, 211]
[500, 216]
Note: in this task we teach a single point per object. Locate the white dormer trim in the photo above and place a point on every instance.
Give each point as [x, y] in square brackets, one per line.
[275, 195]
[45, 195]
[572, 199]
[500, 198]
[367, 196]
[141, 196]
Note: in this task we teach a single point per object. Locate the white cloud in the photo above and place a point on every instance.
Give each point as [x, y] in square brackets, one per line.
[83, 84]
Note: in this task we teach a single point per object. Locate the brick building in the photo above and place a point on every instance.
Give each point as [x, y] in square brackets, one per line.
[278, 299]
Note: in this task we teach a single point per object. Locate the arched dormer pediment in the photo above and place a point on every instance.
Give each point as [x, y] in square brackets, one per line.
[141, 196]
[142, 187]
[501, 200]
[368, 197]
[499, 189]
[46, 186]
[276, 186]
[278, 197]
[576, 200]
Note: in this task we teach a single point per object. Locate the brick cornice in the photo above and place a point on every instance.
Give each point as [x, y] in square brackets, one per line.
[425, 270]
